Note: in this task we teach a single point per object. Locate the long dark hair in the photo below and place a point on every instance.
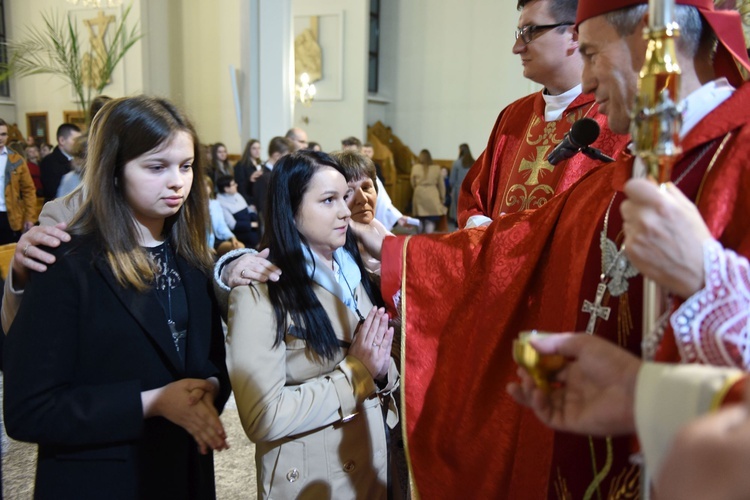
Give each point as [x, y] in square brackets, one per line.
[247, 158]
[122, 130]
[293, 294]
[464, 154]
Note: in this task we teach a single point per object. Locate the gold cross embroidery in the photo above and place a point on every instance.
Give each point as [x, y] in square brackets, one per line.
[536, 166]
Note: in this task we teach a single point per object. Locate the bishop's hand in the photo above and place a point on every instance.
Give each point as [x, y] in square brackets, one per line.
[593, 394]
[664, 235]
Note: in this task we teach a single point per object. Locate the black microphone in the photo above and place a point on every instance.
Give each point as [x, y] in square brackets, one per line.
[583, 133]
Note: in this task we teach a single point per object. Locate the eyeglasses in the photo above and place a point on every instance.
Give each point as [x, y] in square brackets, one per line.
[526, 33]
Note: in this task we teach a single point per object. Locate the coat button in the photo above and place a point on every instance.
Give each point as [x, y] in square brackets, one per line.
[350, 466]
[292, 475]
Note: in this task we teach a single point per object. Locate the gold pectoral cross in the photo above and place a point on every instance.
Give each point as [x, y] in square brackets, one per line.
[536, 166]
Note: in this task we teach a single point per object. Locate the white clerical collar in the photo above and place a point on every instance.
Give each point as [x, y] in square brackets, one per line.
[556, 104]
[269, 165]
[702, 101]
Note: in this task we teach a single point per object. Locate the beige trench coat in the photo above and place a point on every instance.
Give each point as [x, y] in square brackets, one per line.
[317, 424]
[429, 191]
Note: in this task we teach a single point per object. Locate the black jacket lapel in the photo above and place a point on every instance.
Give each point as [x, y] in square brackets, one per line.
[199, 316]
[145, 308]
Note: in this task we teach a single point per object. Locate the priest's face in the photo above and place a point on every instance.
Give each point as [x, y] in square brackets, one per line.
[611, 63]
[544, 51]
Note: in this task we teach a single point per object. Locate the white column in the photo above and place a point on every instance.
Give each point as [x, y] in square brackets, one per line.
[267, 83]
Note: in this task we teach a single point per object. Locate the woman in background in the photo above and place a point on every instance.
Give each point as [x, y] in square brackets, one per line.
[429, 192]
[309, 355]
[220, 237]
[241, 218]
[458, 173]
[219, 163]
[33, 158]
[120, 379]
[248, 169]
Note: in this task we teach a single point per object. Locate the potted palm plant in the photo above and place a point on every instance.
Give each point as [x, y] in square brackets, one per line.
[56, 48]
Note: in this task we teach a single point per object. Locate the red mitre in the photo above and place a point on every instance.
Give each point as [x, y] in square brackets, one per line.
[731, 58]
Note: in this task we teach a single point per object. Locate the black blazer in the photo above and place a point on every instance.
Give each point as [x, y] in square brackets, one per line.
[77, 357]
[260, 190]
[51, 171]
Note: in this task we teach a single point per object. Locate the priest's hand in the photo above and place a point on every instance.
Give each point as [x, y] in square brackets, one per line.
[593, 394]
[664, 235]
[709, 458]
[370, 235]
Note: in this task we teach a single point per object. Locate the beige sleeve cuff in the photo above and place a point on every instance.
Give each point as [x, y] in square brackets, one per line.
[667, 397]
[353, 384]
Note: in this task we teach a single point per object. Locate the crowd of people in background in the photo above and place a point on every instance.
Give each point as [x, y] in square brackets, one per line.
[240, 188]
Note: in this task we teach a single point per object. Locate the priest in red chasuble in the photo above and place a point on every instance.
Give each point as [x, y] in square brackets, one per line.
[560, 268]
[513, 173]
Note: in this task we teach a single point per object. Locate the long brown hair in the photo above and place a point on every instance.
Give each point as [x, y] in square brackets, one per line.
[121, 131]
[247, 159]
[464, 154]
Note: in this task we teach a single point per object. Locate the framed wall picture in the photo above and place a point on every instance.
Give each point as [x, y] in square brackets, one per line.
[96, 29]
[37, 127]
[76, 118]
[319, 52]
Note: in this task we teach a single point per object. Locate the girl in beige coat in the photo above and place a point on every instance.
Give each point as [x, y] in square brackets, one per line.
[429, 192]
[309, 371]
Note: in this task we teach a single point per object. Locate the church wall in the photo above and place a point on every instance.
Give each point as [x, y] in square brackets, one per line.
[209, 42]
[332, 120]
[446, 71]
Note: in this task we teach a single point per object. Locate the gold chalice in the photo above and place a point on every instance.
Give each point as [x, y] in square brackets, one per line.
[541, 367]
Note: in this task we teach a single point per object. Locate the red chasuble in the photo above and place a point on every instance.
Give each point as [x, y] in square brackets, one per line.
[465, 296]
[513, 174]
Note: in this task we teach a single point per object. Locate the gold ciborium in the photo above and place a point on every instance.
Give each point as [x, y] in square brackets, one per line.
[541, 367]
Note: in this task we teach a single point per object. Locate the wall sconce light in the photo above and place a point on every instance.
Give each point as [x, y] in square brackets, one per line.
[305, 90]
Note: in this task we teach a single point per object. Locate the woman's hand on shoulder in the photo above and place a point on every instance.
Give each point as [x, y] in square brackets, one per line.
[189, 404]
[248, 268]
[28, 255]
[372, 343]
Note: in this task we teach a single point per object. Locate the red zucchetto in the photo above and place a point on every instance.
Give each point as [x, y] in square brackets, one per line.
[731, 58]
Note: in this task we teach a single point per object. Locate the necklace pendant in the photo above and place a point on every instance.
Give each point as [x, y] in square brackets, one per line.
[596, 309]
[176, 336]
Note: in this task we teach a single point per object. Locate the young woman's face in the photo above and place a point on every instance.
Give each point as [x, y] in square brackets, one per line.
[221, 153]
[323, 216]
[362, 200]
[255, 151]
[157, 183]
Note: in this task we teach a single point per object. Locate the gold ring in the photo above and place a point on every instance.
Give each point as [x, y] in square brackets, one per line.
[26, 249]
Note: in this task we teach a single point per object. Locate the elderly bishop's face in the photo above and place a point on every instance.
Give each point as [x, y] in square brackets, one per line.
[610, 68]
